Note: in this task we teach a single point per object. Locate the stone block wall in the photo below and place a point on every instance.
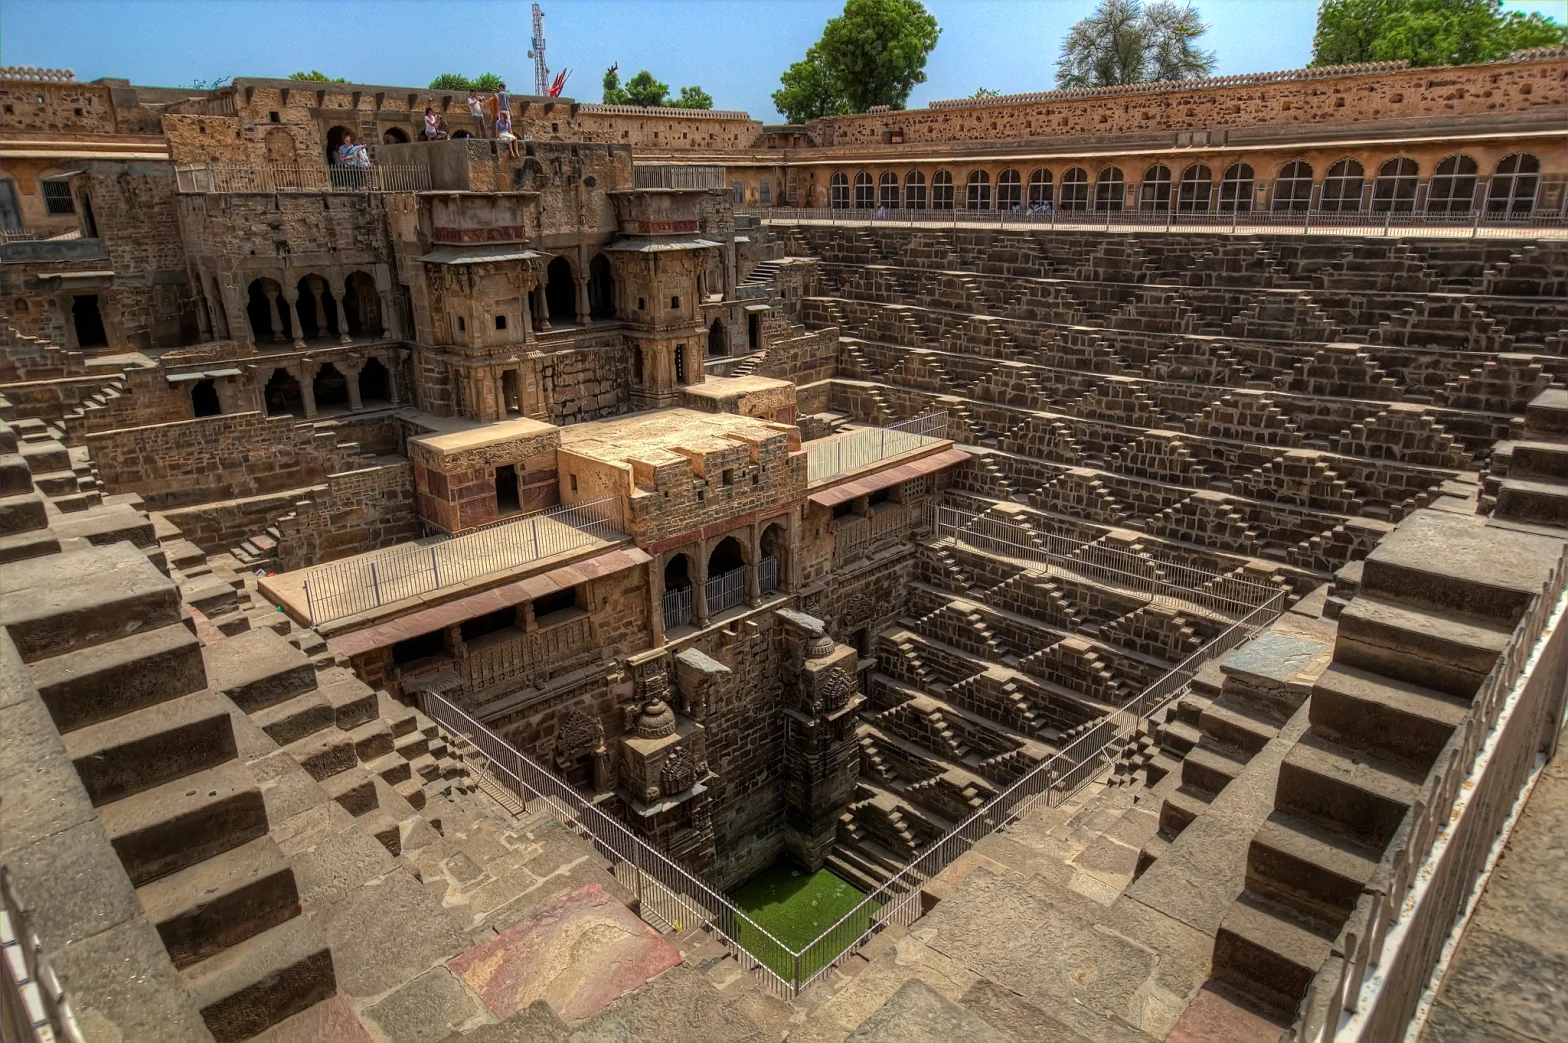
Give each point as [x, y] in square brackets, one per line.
[356, 511]
[217, 458]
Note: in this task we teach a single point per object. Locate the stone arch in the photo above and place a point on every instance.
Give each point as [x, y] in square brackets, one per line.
[282, 394]
[774, 543]
[1394, 188]
[560, 291]
[864, 197]
[977, 191]
[334, 139]
[394, 136]
[1155, 192]
[318, 313]
[204, 399]
[1109, 190]
[267, 311]
[727, 555]
[601, 288]
[1452, 188]
[375, 383]
[1075, 189]
[1039, 188]
[1514, 184]
[362, 305]
[1342, 186]
[1236, 189]
[718, 338]
[914, 190]
[942, 190]
[1197, 185]
[887, 190]
[838, 191]
[330, 387]
[1293, 186]
[1009, 191]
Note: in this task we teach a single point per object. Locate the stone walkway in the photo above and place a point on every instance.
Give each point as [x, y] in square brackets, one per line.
[1508, 982]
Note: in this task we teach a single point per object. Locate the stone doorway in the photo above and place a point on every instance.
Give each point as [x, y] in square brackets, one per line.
[375, 383]
[560, 292]
[331, 388]
[282, 395]
[204, 399]
[718, 339]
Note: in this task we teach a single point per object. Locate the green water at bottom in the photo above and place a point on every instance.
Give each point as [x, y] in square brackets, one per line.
[795, 907]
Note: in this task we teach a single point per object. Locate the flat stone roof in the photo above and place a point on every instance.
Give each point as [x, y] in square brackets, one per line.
[720, 388]
[643, 435]
[450, 442]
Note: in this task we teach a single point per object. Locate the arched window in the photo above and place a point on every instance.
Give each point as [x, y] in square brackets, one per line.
[1109, 190]
[1513, 185]
[887, 190]
[838, 191]
[1293, 187]
[1197, 184]
[1452, 188]
[1075, 189]
[1039, 189]
[1009, 191]
[394, 136]
[979, 194]
[1236, 189]
[914, 190]
[1155, 193]
[863, 191]
[1342, 187]
[1394, 188]
[941, 190]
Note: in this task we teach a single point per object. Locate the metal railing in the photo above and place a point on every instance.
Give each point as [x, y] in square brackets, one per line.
[335, 591]
[670, 176]
[240, 179]
[33, 1006]
[768, 575]
[677, 607]
[841, 454]
[1168, 584]
[726, 590]
[668, 895]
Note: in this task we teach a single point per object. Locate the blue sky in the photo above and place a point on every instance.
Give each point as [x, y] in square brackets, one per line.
[734, 48]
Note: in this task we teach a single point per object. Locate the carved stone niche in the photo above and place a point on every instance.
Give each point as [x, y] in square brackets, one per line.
[698, 676]
[579, 734]
[822, 671]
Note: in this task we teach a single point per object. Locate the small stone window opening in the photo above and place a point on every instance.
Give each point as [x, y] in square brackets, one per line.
[500, 322]
[729, 476]
[506, 498]
[880, 496]
[675, 302]
[273, 117]
[10, 110]
[460, 324]
[574, 482]
[642, 304]
[843, 510]
[550, 608]
[78, 111]
[57, 197]
[489, 623]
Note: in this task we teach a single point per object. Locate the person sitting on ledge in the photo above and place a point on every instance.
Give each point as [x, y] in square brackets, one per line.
[434, 131]
[503, 131]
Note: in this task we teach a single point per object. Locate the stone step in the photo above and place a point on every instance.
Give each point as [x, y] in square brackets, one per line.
[425, 767]
[409, 788]
[1236, 724]
[1345, 790]
[1265, 951]
[249, 987]
[411, 745]
[84, 597]
[1547, 413]
[402, 718]
[148, 747]
[1179, 737]
[324, 754]
[372, 739]
[1457, 564]
[258, 669]
[184, 821]
[208, 593]
[1543, 502]
[18, 546]
[1315, 871]
[379, 824]
[208, 907]
[1422, 647]
[1544, 460]
[354, 790]
[110, 524]
[391, 767]
[1209, 769]
[1395, 720]
[1179, 808]
[841, 866]
[88, 685]
[15, 477]
[293, 719]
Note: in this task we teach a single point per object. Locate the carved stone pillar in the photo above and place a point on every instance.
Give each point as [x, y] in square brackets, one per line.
[270, 291]
[699, 588]
[821, 753]
[354, 401]
[299, 331]
[582, 301]
[307, 388]
[655, 603]
[391, 321]
[316, 284]
[754, 571]
[343, 334]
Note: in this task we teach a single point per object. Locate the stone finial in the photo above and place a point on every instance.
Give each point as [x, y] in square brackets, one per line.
[656, 720]
[819, 647]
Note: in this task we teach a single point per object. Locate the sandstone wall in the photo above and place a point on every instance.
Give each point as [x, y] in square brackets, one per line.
[217, 526]
[357, 511]
[1302, 97]
[217, 458]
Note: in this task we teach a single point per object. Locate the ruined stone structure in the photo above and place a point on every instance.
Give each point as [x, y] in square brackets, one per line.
[429, 587]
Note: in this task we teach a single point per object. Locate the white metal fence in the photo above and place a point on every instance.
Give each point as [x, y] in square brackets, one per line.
[33, 1006]
[662, 176]
[669, 895]
[240, 178]
[335, 591]
[841, 454]
[768, 575]
[677, 607]
[726, 590]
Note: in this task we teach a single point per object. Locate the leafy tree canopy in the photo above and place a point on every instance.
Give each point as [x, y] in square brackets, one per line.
[317, 75]
[873, 53]
[456, 81]
[487, 81]
[1126, 41]
[986, 92]
[646, 91]
[693, 98]
[1426, 32]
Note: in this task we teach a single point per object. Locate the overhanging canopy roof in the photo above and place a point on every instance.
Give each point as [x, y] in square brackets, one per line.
[835, 495]
[478, 254]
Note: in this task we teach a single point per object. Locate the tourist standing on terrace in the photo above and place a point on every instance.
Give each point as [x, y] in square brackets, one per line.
[476, 109]
[503, 102]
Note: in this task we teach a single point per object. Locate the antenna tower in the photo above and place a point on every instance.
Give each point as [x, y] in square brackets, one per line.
[541, 70]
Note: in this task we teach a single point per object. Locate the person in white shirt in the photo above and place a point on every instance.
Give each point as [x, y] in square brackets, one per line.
[476, 108]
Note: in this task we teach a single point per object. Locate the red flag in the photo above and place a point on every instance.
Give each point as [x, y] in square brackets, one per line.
[559, 84]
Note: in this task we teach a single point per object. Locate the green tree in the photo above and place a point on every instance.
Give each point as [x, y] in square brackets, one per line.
[487, 81]
[614, 93]
[1426, 32]
[693, 97]
[451, 81]
[876, 51]
[1125, 41]
[317, 76]
[986, 92]
[808, 91]
[646, 91]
